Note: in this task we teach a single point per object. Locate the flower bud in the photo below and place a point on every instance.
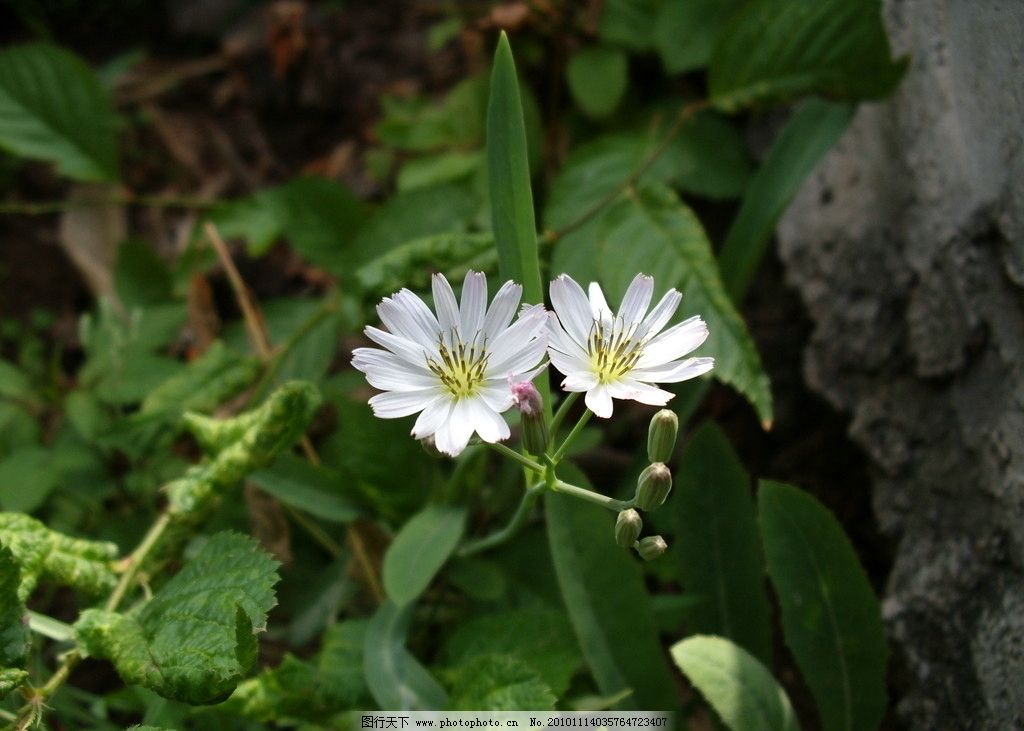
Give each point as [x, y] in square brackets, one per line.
[430, 447]
[661, 436]
[527, 399]
[653, 486]
[627, 528]
[651, 547]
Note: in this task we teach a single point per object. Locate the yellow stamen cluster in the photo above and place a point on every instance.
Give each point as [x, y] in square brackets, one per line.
[461, 367]
[613, 350]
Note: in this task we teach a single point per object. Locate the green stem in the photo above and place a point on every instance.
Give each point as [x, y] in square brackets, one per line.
[563, 411]
[557, 456]
[50, 627]
[590, 496]
[135, 560]
[514, 455]
[315, 532]
[471, 548]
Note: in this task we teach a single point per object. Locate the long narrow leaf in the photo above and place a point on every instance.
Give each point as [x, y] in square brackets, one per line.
[807, 136]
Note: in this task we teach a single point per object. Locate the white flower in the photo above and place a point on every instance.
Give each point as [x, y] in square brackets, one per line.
[621, 355]
[452, 369]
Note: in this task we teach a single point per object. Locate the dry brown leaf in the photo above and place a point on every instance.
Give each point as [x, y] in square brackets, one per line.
[90, 234]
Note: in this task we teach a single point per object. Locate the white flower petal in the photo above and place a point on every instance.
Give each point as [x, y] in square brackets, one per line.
[525, 358]
[394, 405]
[447, 308]
[568, 364]
[434, 414]
[531, 324]
[421, 316]
[401, 322]
[415, 354]
[599, 401]
[488, 424]
[473, 306]
[599, 308]
[658, 317]
[637, 299]
[674, 343]
[644, 393]
[675, 372]
[453, 436]
[387, 372]
[502, 309]
[558, 339]
[572, 307]
[497, 394]
[579, 382]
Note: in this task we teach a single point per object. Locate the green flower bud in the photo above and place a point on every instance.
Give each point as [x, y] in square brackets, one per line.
[531, 408]
[651, 547]
[661, 436]
[627, 528]
[653, 487]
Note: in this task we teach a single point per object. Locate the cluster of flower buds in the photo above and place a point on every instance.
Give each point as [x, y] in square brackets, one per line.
[652, 488]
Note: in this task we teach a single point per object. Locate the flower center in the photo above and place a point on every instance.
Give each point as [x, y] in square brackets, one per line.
[461, 366]
[613, 350]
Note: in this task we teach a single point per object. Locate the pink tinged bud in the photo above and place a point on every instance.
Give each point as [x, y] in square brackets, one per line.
[528, 400]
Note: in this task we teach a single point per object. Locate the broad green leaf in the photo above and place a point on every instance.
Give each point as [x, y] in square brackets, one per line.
[319, 217]
[775, 50]
[14, 384]
[315, 489]
[423, 172]
[420, 550]
[396, 679]
[196, 638]
[27, 477]
[416, 124]
[830, 615]
[205, 383]
[653, 231]
[740, 689]
[597, 79]
[47, 554]
[603, 590]
[498, 683]
[685, 32]
[540, 637]
[296, 690]
[512, 216]
[14, 635]
[718, 544]
[629, 23]
[807, 136]
[410, 264]
[477, 578]
[140, 276]
[53, 108]
[308, 352]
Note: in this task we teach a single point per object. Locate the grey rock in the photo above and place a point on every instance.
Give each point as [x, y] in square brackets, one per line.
[907, 248]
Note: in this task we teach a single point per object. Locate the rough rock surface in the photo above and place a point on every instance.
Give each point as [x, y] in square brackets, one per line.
[907, 247]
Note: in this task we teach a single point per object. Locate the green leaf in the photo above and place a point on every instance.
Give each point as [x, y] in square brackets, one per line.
[14, 384]
[420, 550]
[718, 546]
[603, 590]
[740, 689]
[807, 136]
[314, 489]
[597, 79]
[196, 638]
[318, 217]
[776, 50]
[538, 636]
[10, 679]
[446, 167]
[396, 679]
[515, 231]
[52, 107]
[498, 683]
[685, 32]
[140, 276]
[44, 553]
[14, 635]
[830, 615]
[653, 231]
[410, 264]
[27, 477]
[416, 124]
[629, 23]
[477, 578]
[205, 383]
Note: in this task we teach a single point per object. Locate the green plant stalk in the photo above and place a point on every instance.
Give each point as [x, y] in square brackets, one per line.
[517, 457]
[571, 436]
[518, 520]
[581, 493]
[50, 627]
[563, 411]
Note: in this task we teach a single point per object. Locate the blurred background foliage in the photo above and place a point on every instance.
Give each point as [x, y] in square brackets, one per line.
[339, 147]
